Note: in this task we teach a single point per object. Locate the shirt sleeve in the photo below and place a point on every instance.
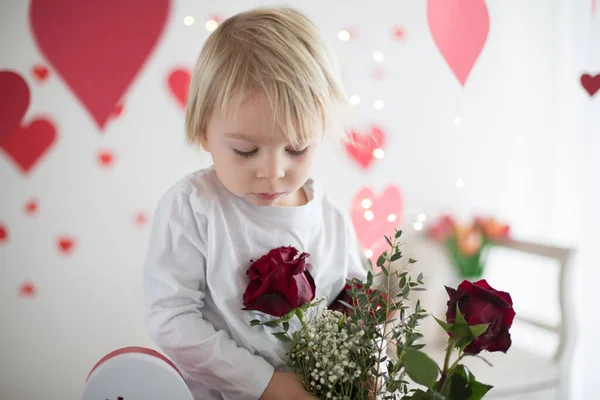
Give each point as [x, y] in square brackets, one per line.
[173, 289]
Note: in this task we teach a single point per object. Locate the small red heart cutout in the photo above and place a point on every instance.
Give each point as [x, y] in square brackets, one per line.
[140, 219]
[65, 244]
[27, 289]
[31, 207]
[361, 146]
[378, 74]
[40, 72]
[398, 33]
[3, 234]
[590, 83]
[106, 158]
[118, 110]
[179, 83]
[26, 145]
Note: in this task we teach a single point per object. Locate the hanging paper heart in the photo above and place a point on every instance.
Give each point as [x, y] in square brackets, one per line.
[179, 83]
[362, 145]
[25, 145]
[590, 83]
[40, 72]
[3, 234]
[14, 102]
[106, 158]
[27, 289]
[140, 218]
[375, 216]
[459, 29]
[65, 244]
[31, 207]
[97, 49]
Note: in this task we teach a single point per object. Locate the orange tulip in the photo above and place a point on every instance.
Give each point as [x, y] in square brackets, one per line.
[492, 229]
[468, 240]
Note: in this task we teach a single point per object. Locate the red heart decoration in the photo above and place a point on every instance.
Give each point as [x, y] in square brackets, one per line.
[118, 110]
[378, 74]
[3, 234]
[27, 289]
[399, 33]
[26, 145]
[106, 158]
[140, 219]
[375, 216]
[41, 72]
[361, 146]
[31, 207]
[98, 50]
[14, 102]
[459, 29]
[65, 244]
[179, 84]
[590, 83]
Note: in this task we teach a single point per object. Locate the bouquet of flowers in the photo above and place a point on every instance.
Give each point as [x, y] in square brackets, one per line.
[365, 345]
[466, 244]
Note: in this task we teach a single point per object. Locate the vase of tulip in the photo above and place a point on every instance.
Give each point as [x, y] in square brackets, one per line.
[467, 244]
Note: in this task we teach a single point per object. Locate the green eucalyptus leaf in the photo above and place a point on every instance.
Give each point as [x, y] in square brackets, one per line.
[420, 368]
[271, 324]
[282, 336]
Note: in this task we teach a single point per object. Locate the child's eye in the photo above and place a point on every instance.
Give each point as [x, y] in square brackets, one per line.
[245, 153]
[297, 153]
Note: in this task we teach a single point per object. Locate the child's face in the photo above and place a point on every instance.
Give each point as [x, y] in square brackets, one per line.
[256, 162]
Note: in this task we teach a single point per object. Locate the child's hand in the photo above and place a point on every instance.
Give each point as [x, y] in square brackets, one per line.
[285, 386]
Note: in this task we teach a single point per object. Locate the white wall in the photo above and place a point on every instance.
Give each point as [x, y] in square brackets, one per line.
[527, 149]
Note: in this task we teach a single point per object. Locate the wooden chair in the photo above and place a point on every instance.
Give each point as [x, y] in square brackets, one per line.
[521, 373]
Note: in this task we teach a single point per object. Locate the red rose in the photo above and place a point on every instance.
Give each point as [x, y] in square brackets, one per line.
[279, 282]
[479, 303]
[345, 297]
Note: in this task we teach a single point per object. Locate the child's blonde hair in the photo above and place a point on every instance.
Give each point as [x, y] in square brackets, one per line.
[274, 50]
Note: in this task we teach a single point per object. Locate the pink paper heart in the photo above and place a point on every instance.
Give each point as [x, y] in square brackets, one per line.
[459, 29]
[361, 148]
[179, 83]
[97, 49]
[376, 216]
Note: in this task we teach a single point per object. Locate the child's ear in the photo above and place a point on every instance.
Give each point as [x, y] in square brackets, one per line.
[204, 142]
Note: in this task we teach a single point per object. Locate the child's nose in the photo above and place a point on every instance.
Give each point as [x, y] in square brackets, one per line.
[271, 170]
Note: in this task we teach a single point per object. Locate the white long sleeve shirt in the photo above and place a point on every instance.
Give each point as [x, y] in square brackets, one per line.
[201, 243]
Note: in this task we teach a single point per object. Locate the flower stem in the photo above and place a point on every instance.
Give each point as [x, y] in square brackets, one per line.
[446, 371]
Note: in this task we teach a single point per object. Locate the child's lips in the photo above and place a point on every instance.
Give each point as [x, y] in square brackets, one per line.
[268, 196]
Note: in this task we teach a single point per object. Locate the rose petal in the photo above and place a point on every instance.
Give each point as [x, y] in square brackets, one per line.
[283, 283]
[299, 264]
[305, 289]
[502, 342]
[272, 304]
[258, 288]
[493, 295]
[287, 253]
[250, 292]
[262, 268]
